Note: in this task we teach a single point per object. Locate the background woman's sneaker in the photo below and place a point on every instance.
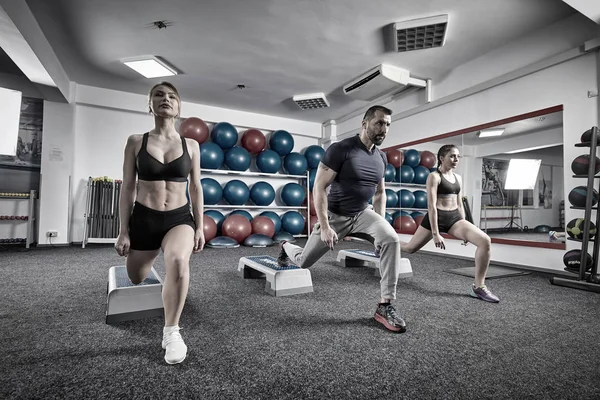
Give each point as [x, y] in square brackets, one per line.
[483, 293]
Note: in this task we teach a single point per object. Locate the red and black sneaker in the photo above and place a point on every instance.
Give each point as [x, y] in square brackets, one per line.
[386, 315]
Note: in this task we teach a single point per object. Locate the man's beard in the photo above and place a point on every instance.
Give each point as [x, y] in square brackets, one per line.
[376, 139]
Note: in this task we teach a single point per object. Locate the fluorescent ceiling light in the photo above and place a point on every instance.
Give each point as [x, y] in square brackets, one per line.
[491, 132]
[150, 67]
[522, 174]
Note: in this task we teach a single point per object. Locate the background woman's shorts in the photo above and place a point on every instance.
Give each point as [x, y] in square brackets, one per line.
[445, 220]
[148, 227]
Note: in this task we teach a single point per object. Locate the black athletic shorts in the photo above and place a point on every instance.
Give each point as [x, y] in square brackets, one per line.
[148, 227]
[445, 220]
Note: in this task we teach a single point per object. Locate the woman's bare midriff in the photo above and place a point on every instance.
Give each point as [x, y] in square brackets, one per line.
[162, 195]
[447, 203]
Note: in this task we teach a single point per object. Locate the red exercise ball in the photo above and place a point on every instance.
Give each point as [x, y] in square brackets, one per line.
[254, 141]
[194, 128]
[210, 228]
[311, 207]
[428, 159]
[418, 220]
[237, 227]
[263, 225]
[395, 157]
[313, 221]
[405, 224]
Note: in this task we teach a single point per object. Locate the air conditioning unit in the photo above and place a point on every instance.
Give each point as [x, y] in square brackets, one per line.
[379, 81]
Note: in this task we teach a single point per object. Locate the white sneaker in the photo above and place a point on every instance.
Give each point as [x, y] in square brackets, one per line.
[176, 349]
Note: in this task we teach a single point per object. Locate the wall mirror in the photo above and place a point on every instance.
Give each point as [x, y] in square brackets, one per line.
[525, 216]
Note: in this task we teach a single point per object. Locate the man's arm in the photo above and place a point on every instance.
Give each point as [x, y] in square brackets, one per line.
[379, 199]
[323, 179]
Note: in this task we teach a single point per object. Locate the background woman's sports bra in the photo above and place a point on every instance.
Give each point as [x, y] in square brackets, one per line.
[448, 188]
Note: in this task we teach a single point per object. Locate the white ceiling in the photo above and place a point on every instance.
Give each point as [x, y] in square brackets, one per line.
[277, 48]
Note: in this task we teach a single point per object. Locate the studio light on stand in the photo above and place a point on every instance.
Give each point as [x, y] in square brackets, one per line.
[521, 175]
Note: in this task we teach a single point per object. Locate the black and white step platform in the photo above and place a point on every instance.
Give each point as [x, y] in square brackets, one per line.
[279, 281]
[126, 301]
[367, 258]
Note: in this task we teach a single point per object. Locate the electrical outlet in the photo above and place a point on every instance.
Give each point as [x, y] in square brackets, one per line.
[52, 233]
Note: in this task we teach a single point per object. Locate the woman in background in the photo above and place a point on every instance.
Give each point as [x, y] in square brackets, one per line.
[446, 214]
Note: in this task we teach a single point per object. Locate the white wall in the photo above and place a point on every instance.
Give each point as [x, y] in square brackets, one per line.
[103, 119]
[56, 170]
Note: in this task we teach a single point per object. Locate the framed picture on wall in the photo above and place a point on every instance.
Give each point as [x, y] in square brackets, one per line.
[29, 140]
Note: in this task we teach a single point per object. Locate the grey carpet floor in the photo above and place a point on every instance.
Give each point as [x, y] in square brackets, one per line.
[540, 342]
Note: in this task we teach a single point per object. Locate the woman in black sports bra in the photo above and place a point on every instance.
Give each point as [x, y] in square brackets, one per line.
[445, 213]
[155, 213]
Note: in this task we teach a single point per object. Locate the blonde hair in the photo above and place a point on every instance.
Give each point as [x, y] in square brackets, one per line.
[170, 86]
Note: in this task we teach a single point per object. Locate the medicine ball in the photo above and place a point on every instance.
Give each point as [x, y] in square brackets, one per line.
[587, 137]
[575, 229]
[578, 195]
[572, 260]
[581, 165]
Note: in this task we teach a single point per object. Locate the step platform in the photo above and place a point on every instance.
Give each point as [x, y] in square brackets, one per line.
[126, 301]
[367, 258]
[279, 281]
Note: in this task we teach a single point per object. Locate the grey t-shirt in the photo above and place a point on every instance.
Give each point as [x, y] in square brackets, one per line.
[359, 171]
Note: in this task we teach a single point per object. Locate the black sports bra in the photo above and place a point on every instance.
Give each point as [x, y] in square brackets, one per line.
[150, 169]
[446, 188]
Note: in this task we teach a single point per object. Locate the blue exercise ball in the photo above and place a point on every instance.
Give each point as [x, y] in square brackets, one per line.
[237, 159]
[420, 199]
[416, 214]
[432, 170]
[268, 161]
[405, 174]
[391, 198]
[412, 157]
[295, 164]
[281, 142]
[313, 155]
[211, 190]
[236, 192]
[273, 217]
[218, 217]
[312, 174]
[397, 214]
[262, 193]
[388, 218]
[390, 173]
[211, 156]
[224, 134]
[292, 194]
[243, 213]
[421, 174]
[407, 198]
[292, 222]
[258, 240]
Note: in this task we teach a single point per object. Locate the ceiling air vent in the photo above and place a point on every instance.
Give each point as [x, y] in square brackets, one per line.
[418, 34]
[311, 101]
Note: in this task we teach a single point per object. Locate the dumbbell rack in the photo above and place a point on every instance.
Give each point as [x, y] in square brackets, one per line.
[29, 218]
[585, 281]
